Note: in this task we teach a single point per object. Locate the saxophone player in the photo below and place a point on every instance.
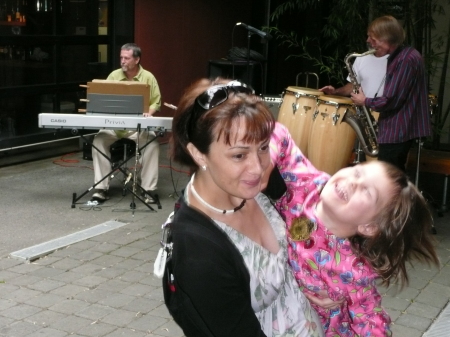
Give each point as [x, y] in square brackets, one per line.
[403, 103]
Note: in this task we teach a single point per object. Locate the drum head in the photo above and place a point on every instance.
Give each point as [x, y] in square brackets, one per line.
[336, 99]
[305, 91]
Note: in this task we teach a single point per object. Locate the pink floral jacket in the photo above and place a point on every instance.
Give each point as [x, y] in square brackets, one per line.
[320, 260]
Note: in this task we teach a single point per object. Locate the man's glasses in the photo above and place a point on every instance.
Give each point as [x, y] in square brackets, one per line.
[218, 94]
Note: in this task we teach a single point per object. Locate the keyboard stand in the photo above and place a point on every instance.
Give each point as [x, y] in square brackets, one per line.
[119, 167]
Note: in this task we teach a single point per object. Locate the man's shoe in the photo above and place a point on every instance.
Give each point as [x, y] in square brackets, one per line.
[149, 199]
[100, 195]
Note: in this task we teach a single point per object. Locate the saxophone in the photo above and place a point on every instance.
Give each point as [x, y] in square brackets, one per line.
[362, 122]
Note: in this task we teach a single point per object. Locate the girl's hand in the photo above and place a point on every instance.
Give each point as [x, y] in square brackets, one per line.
[322, 300]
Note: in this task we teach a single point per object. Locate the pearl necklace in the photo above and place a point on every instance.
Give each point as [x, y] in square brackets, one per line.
[224, 211]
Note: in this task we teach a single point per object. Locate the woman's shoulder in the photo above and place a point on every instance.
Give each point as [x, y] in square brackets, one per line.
[195, 229]
[188, 219]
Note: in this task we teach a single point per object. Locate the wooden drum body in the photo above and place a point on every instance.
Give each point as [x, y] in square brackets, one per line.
[296, 113]
[331, 140]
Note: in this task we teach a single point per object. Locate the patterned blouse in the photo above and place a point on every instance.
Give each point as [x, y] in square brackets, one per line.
[279, 305]
[320, 260]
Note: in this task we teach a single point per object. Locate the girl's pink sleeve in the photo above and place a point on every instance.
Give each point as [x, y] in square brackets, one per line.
[289, 158]
[369, 317]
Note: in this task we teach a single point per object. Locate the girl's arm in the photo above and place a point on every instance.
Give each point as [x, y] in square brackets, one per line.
[289, 159]
[369, 317]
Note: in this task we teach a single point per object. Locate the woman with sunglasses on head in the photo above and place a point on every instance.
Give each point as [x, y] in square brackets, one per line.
[228, 273]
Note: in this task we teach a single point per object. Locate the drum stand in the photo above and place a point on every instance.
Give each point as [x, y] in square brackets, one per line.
[416, 178]
[307, 75]
[358, 152]
[419, 147]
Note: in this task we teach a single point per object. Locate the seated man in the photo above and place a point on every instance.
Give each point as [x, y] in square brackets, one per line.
[131, 70]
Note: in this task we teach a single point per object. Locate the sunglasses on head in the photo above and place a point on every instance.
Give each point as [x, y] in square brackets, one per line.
[218, 94]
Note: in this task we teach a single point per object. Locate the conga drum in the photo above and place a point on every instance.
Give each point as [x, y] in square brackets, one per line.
[296, 113]
[331, 139]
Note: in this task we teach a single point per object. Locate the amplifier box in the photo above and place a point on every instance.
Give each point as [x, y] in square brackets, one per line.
[273, 102]
[250, 73]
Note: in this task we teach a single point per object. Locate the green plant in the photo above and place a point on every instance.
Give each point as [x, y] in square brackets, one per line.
[344, 31]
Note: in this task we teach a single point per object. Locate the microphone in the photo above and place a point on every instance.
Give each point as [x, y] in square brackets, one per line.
[264, 35]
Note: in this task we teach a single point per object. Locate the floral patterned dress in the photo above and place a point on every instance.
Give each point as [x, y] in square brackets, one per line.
[280, 306]
[320, 260]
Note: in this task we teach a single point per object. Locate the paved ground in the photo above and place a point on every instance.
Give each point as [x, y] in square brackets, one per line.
[104, 286]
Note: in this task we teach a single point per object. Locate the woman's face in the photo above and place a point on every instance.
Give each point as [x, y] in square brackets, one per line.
[238, 168]
[354, 196]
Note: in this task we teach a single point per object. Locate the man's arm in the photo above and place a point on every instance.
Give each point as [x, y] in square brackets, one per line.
[155, 97]
[346, 90]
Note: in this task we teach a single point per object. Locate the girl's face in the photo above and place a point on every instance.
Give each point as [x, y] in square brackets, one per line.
[238, 168]
[354, 196]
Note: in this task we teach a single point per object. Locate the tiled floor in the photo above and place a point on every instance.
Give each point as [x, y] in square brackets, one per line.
[104, 286]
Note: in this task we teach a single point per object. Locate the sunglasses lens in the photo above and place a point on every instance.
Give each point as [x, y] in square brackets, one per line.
[218, 97]
[212, 97]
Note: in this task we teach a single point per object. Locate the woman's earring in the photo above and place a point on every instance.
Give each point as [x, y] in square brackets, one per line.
[204, 167]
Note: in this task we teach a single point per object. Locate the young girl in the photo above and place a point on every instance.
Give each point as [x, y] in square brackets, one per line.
[346, 231]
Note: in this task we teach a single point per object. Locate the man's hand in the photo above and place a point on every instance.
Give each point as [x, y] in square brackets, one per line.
[328, 90]
[149, 113]
[359, 98]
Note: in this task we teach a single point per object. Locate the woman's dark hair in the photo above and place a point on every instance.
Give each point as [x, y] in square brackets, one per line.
[405, 231]
[193, 124]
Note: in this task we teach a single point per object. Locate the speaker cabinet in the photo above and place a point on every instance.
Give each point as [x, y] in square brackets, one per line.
[273, 102]
[250, 73]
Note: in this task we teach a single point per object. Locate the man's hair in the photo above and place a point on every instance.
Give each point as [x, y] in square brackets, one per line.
[388, 29]
[134, 47]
